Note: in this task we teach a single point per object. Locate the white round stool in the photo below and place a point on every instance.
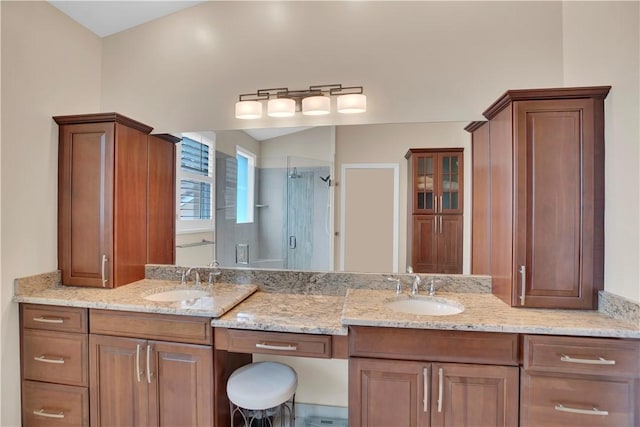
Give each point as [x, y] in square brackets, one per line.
[261, 390]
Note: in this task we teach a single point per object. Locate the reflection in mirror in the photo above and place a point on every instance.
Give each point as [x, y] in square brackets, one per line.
[273, 201]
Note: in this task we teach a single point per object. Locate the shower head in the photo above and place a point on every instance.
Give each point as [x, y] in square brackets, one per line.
[294, 174]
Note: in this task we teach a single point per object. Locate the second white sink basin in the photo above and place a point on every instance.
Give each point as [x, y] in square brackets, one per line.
[173, 295]
[428, 306]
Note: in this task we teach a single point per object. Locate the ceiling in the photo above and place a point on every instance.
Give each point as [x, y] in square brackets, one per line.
[109, 17]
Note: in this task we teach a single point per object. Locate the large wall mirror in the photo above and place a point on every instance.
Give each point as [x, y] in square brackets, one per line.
[321, 198]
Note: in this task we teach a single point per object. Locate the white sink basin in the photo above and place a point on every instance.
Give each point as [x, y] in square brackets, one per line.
[428, 306]
[173, 295]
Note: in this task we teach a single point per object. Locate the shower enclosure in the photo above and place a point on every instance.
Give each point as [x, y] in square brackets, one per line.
[291, 226]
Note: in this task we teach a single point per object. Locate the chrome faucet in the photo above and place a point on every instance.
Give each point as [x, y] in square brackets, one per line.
[432, 287]
[415, 286]
[197, 281]
[215, 272]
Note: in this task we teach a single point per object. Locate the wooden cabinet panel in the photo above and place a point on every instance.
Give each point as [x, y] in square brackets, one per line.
[85, 194]
[57, 357]
[52, 318]
[53, 405]
[449, 244]
[161, 199]
[102, 199]
[480, 198]
[547, 196]
[425, 244]
[181, 390]
[187, 329]
[589, 356]
[118, 385]
[384, 393]
[282, 343]
[432, 345]
[562, 400]
[474, 395]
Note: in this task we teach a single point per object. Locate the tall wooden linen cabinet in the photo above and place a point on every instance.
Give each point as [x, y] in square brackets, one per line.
[435, 181]
[538, 197]
[107, 164]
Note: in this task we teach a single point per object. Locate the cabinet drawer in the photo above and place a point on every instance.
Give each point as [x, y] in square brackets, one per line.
[432, 345]
[591, 356]
[574, 401]
[54, 405]
[58, 357]
[65, 319]
[290, 344]
[162, 327]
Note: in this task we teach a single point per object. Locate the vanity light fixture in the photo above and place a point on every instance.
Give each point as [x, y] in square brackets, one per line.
[315, 101]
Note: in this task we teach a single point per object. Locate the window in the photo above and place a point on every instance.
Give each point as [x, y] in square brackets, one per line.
[195, 183]
[246, 161]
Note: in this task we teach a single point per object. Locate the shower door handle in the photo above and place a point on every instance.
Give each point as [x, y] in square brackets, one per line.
[292, 242]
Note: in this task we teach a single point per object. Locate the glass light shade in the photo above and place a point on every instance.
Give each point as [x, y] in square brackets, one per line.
[281, 107]
[352, 103]
[248, 110]
[316, 105]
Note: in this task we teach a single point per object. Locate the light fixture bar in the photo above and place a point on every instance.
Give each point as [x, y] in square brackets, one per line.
[312, 101]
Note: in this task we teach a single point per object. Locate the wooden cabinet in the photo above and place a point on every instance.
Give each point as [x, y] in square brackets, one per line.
[570, 381]
[434, 242]
[480, 198]
[136, 379]
[116, 199]
[161, 220]
[546, 196]
[411, 378]
[53, 350]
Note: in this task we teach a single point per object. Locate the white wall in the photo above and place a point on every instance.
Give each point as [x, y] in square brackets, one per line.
[601, 44]
[50, 66]
[418, 61]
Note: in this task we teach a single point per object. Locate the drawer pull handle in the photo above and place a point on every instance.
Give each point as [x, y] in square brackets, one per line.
[149, 374]
[598, 361]
[45, 359]
[425, 385]
[440, 386]
[43, 319]
[266, 346]
[44, 413]
[138, 362]
[594, 411]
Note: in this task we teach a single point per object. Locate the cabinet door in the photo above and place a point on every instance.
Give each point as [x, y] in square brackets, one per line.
[117, 384]
[557, 225]
[85, 211]
[425, 180]
[161, 210]
[449, 184]
[449, 244]
[424, 244]
[181, 384]
[481, 202]
[385, 393]
[474, 395]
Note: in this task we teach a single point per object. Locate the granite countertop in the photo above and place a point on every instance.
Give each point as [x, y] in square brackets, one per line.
[486, 313]
[315, 314]
[222, 296]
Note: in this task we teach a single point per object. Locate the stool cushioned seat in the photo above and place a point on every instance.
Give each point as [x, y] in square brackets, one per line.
[262, 385]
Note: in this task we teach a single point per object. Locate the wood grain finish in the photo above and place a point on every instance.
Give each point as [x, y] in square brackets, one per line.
[102, 193]
[53, 405]
[436, 182]
[118, 388]
[605, 402]
[384, 393]
[181, 388]
[473, 395]
[432, 345]
[547, 197]
[52, 318]
[161, 199]
[589, 356]
[480, 199]
[281, 343]
[57, 357]
[185, 329]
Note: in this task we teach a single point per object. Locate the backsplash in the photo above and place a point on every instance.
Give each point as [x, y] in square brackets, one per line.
[322, 283]
[619, 308]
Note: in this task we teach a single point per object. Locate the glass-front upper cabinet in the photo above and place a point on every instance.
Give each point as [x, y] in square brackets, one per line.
[435, 178]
